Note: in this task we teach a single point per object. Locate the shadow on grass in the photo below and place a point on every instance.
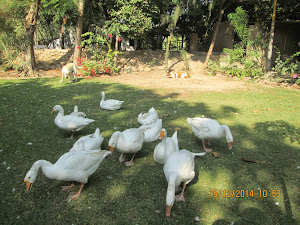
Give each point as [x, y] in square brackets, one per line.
[116, 194]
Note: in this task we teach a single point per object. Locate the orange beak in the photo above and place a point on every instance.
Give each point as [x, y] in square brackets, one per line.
[162, 133]
[168, 210]
[28, 185]
[230, 145]
[111, 149]
[52, 111]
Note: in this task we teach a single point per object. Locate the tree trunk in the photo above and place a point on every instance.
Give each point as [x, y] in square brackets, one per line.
[270, 46]
[30, 27]
[62, 29]
[215, 33]
[116, 50]
[167, 52]
[79, 25]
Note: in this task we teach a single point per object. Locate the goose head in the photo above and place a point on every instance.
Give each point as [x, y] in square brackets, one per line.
[170, 197]
[113, 141]
[228, 136]
[31, 177]
[169, 203]
[57, 108]
[162, 134]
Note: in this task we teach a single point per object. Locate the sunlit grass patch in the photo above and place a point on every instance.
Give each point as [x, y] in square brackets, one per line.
[264, 123]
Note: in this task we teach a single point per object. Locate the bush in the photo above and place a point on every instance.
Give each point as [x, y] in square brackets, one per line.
[244, 57]
[102, 60]
[97, 68]
[288, 66]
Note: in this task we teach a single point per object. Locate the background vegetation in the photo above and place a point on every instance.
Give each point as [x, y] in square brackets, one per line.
[150, 22]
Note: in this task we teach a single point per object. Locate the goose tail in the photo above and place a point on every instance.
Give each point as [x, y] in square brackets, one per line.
[199, 154]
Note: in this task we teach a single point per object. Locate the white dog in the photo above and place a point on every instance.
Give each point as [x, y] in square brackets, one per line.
[69, 70]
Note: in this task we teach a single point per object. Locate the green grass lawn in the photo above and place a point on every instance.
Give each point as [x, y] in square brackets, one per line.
[264, 122]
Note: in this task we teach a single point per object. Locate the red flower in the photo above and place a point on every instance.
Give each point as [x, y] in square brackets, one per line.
[119, 39]
[109, 35]
[78, 47]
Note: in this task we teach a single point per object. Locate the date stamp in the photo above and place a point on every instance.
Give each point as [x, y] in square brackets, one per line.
[241, 193]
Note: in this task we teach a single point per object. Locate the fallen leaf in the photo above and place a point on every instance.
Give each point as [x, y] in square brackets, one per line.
[216, 154]
[166, 115]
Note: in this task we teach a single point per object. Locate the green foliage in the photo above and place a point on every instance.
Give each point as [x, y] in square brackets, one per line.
[239, 20]
[186, 60]
[130, 17]
[288, 66]
[12, 40]
[212, 67]
[102, 56]
[244, 58]
[236, 54]
[51, 15]
[96, 68]
[59, 9]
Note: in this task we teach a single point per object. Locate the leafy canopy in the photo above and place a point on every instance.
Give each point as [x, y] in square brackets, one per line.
[131, 17]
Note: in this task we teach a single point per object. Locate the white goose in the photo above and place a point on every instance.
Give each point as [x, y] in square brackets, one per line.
[110, 104]
[69, 122]
[166, 147]
[76, 113]
[148, 118]
[152, 131]
[91, 142]
[71, 166]
[205, 129]
[128, 141]
[179, 168]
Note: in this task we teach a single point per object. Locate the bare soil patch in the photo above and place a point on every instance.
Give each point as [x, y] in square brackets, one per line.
[145, 69]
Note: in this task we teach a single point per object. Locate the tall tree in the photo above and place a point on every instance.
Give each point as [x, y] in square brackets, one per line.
[130, 17]
[221, 13]
[30, 27]
[56, 15]
[79, 25]
[270, 46]
[171, 20]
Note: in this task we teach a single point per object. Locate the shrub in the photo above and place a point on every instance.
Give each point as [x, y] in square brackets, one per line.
[102, 59]
[244, 57]
[288, 66]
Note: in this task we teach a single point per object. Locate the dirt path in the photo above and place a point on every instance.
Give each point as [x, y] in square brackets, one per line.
[146, 71]
[198, 82]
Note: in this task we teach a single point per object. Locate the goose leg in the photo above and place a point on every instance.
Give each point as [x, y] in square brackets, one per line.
[130, 163]
[71, 136]
[181, 197]
[205, 148]
[73, 197]
[122, 158]
[65, 188]
[207, 142]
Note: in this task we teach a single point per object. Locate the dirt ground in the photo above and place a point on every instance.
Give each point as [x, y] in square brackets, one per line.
[145, 70]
